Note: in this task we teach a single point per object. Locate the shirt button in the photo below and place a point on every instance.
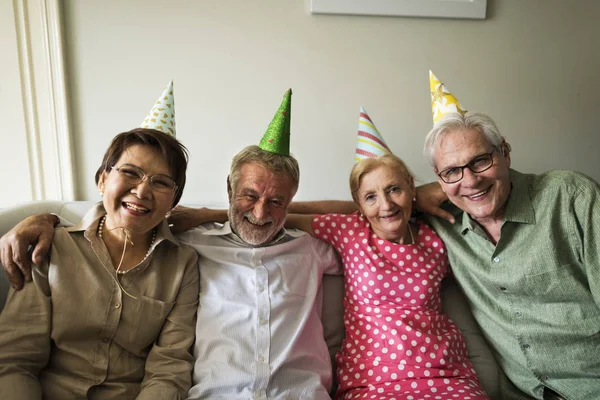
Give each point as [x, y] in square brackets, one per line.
[118, 305]
[543, 378]
[525, 346]
[496, 259]
[261, 359]
[261, 289]
[262, 321]
[518, 314]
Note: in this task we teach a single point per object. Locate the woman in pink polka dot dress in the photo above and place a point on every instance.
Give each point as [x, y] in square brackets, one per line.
[398, 344]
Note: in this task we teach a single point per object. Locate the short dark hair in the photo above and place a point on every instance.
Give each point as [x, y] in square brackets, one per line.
[175, 153]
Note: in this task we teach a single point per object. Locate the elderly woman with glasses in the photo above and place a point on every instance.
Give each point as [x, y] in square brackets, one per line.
[111, 313]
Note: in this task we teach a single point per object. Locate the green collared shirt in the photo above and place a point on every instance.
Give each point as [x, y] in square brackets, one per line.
[536, 293]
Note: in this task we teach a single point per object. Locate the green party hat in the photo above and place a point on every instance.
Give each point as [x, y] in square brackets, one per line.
[277, 137]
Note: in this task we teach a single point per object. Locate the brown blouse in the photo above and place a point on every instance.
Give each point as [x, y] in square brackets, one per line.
[73, 333]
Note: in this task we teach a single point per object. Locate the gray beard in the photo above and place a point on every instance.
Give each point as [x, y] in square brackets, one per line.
[245, 232]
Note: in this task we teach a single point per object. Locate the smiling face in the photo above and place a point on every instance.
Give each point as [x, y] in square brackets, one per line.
[483, 195]
[137, 208]
[258, 203]
[384, 197]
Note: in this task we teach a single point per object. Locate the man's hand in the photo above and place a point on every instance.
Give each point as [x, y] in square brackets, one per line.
[185, 218]
[37, 231]
[429, 199]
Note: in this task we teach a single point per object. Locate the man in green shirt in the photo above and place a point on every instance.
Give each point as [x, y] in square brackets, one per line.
[526, 251]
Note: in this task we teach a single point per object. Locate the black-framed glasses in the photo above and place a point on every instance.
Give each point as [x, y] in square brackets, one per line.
[134, 175]
[479, 164]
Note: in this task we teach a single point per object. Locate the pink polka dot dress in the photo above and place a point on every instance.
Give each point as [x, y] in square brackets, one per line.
[398, 344]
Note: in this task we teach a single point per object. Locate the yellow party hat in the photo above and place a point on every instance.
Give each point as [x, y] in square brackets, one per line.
[162, 116]
[442, 101]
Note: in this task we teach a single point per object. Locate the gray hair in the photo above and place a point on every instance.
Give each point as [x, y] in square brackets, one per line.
[275, 163]
[456, 121]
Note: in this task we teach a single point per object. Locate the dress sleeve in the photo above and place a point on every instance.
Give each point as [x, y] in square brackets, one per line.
[25, 326]
[169, 364]
[334, 228]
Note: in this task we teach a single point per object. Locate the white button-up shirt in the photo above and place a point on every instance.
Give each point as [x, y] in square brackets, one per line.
[259, 333]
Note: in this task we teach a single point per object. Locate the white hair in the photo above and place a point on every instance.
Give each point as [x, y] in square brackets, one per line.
[455, 121]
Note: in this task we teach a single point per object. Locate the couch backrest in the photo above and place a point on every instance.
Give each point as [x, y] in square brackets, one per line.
[454, 303]
[11, 216]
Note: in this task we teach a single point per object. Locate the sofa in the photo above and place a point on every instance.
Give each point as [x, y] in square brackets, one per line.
[454, 303]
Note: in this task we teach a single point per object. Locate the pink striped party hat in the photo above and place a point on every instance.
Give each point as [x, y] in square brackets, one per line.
[369, 143]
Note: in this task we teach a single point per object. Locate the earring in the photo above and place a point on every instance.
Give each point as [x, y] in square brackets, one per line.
[415, 198]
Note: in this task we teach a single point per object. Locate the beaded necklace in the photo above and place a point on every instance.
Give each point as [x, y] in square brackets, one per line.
[101, 229]
[118, 270]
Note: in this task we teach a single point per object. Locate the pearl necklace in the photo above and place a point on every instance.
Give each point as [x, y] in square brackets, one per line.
[100, 230]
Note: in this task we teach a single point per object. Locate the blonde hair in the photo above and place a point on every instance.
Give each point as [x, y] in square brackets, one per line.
[367, 165]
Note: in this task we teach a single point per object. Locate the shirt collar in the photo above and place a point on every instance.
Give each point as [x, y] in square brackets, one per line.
[225, 230]
[89, 225]
[518, 207]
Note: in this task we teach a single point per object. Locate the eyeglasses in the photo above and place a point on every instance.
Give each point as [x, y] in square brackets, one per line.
[134, 175]
[479, 164]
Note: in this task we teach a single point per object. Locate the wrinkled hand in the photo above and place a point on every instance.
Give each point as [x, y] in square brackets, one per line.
[37, 231]
[185, 218]
[430, 197]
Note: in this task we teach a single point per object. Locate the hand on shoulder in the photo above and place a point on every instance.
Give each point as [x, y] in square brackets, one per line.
[36, 231]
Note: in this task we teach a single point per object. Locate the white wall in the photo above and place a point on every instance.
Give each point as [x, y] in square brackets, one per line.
[14, 165]
[532, 65]
[35, 141]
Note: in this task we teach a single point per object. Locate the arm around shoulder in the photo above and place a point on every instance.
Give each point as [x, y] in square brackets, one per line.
[300, 221]
[322, 207]
[303, 212]
[430, 198]
[183, 219]
[36, 230]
